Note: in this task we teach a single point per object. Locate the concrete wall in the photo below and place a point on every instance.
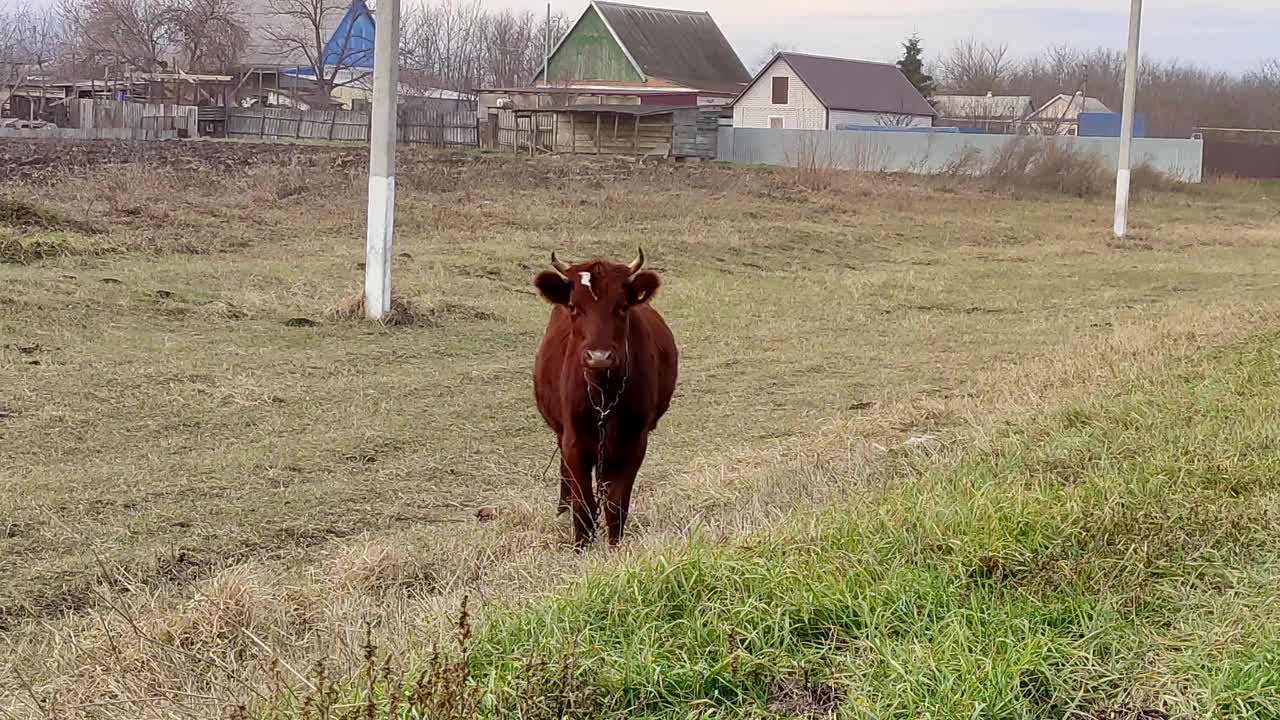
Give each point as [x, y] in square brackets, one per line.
[931, 153]
[803, 111]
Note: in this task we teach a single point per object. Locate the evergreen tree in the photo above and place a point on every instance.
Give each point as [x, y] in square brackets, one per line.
[913, 67]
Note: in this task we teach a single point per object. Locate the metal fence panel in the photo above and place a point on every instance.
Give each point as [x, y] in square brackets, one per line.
[932, 153]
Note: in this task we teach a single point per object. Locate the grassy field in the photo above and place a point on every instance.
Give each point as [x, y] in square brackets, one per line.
[208, 479]
[1116, 558]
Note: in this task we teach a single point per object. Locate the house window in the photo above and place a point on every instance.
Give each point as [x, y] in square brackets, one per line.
[781, 86]
[775, 123]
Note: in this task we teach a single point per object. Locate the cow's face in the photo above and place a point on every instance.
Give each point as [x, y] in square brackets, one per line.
[599, 297]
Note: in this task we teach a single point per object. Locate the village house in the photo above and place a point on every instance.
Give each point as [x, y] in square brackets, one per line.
[988, 113]
[1061, 115]
[795, 91]
[630, 54]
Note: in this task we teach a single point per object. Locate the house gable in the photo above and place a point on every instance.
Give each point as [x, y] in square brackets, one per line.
[591, 51]
[802, 111]
[1068, 107]
[631, 44]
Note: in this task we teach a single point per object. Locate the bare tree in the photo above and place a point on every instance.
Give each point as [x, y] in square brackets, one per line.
[1175, 98]
[212, 35]
[1263, 90]
[31, 43]
[463, 31]
[141, 33]
[300, 31]
[976, 68]
[13, 56]
[458, 45]
[1269, 71]
[895, 120]
[151, 35]
[767, 54]
[443, 42]
[510, 38]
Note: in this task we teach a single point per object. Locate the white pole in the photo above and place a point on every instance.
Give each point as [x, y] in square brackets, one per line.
[1126, 123]
[382, 161]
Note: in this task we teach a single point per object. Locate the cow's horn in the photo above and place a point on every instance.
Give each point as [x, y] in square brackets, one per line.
[638, 263]
[561, 266]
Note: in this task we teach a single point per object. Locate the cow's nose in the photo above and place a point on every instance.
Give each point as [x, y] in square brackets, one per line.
[598, 359]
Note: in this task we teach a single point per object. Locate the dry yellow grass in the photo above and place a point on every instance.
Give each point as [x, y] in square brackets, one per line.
[201, 499]
[402, 313]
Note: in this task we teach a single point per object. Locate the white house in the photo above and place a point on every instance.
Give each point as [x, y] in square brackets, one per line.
[984, 107]
[811, 92]
[1061, 115]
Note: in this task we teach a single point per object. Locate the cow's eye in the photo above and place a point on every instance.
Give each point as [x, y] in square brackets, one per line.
[620, 311]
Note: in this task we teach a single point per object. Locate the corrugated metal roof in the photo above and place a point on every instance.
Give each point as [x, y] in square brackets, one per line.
[593, 87]
[1066, 107]
[984, 106]
[684, 47]
[632, 110]
[856, 85]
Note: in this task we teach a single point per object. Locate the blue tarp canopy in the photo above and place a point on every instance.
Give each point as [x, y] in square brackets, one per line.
[351, 44]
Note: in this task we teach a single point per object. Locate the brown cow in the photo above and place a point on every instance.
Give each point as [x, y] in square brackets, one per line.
[603, 377]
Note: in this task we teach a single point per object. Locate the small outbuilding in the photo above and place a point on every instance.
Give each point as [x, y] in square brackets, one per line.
[678, 132]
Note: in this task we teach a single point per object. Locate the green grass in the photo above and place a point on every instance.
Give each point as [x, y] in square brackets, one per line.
[176, 459]
[1117, 558]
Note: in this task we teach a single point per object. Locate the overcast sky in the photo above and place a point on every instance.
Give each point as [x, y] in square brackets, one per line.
[1235, 36]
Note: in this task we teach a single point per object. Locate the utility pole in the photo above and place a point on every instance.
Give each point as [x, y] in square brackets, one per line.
[1126, 122]
[546, 49]
[1084, 85]
[382, 161]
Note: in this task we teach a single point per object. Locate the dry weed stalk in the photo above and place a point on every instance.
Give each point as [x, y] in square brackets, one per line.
[404, 311]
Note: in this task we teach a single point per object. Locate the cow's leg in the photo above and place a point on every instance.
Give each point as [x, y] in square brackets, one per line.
[620, 473]
[565, 482]
[565, 491]
[579, 460]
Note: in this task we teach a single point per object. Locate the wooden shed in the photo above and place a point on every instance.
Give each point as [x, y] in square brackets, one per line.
[642, 130]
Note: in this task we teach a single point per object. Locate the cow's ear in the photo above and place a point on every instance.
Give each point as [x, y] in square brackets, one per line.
[554, 287]
[642, 288]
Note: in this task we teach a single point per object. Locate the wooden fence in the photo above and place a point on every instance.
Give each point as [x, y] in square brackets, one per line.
[166, 119]
[441, 129]
[415, 126]
[526, 133]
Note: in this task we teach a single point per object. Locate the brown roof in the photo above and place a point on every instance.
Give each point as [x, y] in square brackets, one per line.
[630, 110]
[684, 47]
[856, 84]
